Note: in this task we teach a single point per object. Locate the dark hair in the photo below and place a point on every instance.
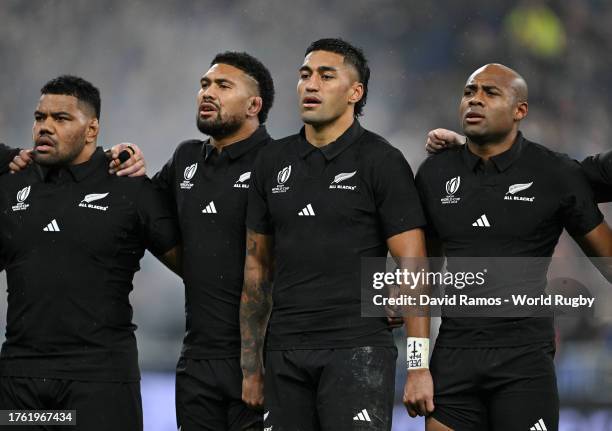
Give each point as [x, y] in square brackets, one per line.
[74, 86]
[353, 56]
[256, 70]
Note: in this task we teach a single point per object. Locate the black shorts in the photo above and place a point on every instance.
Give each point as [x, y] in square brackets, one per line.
[209, 396]
[329, 389]
[100, 406]
[501, 389]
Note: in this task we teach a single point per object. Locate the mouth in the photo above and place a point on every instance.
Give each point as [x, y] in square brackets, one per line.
[44, 144]
[311, 102]
[473, 117]
[207, 109]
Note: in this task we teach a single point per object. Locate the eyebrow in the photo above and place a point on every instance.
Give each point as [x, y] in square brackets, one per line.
[216, 81]
[320, 69]
[485, 87]
[54, 114]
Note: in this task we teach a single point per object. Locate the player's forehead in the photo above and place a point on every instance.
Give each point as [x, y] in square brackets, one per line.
[490, 76]
[57, 103]
[317, 59]
[221, 71]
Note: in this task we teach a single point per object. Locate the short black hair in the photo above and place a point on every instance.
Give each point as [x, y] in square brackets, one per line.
[353, 56]
[256, 70]
[69, 85]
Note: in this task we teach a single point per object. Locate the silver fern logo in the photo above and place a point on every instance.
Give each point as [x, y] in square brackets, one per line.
[452, 187]
[188, 175]
[281, 178]
[517, 188]
[93, 197]
[243, 181]
[22, 195]
[343, 176]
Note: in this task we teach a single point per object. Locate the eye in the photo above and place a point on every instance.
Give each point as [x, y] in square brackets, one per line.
[304, 75]
[467, 92]
[327, 77]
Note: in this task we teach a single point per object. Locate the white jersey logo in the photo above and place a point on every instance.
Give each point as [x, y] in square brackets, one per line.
[539, 426]
[362, 416]
[52, 227]
[22, 195]
[93, 197]
[482, 221]
[243, 181]
[452, 186]
[516, 188]
[210, 208]
[307, 211]
[189, 173]
[335, 184]
[281, 178]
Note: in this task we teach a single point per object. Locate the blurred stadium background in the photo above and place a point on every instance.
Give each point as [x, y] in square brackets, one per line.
[147, 57]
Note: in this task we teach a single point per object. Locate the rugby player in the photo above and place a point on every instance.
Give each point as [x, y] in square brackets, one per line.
[71, 237]
[206, 183]
[319, 201]
[493, 373]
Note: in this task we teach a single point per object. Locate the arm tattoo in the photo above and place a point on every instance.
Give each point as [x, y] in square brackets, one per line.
[255, 304]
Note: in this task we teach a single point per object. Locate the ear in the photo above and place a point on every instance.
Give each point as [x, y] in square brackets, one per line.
[255, 105]
[93, 128]
[521, 111]
[356, 93]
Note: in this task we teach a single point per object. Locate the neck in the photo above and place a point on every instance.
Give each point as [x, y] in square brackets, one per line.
[320, 135]
[246, 130]
[85, 155]
[491, 148]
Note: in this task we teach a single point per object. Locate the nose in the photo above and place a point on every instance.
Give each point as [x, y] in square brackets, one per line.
[45, 127]
[476, 99]
[312, 84]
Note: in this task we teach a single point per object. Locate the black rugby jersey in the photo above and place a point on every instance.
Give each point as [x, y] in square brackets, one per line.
[209, 193]
[71, 240]
[327, 208]
[514, 206]
[598, 169]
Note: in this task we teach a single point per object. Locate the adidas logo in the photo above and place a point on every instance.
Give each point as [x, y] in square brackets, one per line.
[210, 208]
[362, 416]
[482, 221]
[52, 227]
[307, 211]
[539, 426]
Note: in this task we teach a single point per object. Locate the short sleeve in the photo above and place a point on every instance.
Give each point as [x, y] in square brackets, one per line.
[6, 155]
[258, 214]
[598, 170]
[396, 197]
[163, 181]
[158, 225]
[422, 188]
[579, 212]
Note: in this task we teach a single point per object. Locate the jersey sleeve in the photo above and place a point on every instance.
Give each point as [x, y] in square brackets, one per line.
[396, 196]
[163, 181]
[158, 225]
[258, 213]
[598, 170]
[6, 155]
[423, 187]
[579, 211]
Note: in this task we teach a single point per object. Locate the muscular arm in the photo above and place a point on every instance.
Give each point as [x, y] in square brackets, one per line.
[408, 248]
[255, 307]
[598, 169]
[598, 243]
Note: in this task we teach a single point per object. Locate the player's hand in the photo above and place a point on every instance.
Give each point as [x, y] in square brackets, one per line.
[394, 313]
[21, 161]
[418, 393]
[441, 139]
[252, 390]
[135, 166]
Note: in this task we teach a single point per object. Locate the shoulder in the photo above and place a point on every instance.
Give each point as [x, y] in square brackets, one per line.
[549, 160]
[433, 163]
[276, 148]
[188, 147]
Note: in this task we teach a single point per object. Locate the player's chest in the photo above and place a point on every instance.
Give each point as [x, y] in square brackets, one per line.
[92, 218]
[498, 205]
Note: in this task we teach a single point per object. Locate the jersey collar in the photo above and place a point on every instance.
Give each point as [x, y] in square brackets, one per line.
[333, 149]
[79, 172]
[238, 149]
[501, 161]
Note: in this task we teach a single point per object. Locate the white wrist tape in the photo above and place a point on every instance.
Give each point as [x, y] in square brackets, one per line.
[417, 353]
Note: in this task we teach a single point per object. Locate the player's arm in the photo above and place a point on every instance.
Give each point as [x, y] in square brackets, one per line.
[598, 169]
[408, 248]
[173, 260]
[7, 154]
[598, 244]
[134, 166]
[255, 307]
